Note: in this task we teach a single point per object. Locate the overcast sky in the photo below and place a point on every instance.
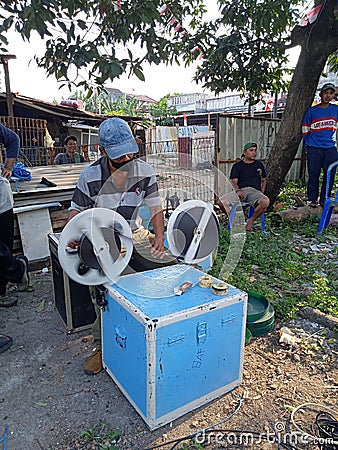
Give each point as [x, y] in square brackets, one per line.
[27, 79]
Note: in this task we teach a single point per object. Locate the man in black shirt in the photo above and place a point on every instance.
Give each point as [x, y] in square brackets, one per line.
[248, 178]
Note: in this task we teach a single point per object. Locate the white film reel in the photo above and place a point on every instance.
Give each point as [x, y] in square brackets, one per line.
[104, 247]
[193, 231]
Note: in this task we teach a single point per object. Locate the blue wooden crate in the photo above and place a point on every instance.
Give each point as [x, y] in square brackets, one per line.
[171, 354]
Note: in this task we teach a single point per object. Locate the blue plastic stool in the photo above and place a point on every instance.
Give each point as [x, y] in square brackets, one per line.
[250, 214]
[330, 202]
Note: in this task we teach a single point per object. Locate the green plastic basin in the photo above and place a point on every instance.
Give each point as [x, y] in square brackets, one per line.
[248, 336]
[257, 306]
[264, 324]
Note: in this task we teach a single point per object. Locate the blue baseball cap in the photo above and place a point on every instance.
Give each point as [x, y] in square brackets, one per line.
[116, 138]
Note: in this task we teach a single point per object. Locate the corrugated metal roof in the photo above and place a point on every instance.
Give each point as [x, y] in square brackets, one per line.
[142, 98]
[61, 111]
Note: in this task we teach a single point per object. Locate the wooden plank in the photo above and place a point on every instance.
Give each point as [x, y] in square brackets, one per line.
[58, 218]
[34, 193]
[37, 198]
[34, 228]
[67, 174]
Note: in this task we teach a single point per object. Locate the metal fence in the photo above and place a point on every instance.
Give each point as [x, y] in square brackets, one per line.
[185, 165]
[234, 131]
[185, 171]
[44, 156]
[31, 131]
[34, 141]
[183, 182]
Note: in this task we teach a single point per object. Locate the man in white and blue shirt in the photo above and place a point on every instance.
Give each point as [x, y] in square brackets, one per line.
[319, 135]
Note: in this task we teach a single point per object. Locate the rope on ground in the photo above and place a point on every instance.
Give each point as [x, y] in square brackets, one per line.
[325, 432]
[4, 438]
[203, 430]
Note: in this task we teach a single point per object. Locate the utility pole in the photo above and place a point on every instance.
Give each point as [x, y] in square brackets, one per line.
[275, 104]
[4, 61]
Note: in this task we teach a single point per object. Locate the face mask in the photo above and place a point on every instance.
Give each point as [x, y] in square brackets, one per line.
[120, 165]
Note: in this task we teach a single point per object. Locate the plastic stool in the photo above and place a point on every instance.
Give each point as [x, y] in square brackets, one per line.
[250, 214]
[330, 202]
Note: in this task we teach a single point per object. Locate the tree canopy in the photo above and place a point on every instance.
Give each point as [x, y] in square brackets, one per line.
[105, 37]
[244, 49]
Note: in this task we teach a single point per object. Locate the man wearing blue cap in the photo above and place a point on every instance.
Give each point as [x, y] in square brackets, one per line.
[118, 181]
[319, 135]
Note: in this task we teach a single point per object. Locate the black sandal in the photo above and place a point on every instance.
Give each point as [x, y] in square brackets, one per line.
[5, 343]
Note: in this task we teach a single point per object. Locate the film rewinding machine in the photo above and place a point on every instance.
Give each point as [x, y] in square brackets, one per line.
[168, 354]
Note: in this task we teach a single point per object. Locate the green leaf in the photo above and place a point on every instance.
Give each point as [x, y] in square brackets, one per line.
[40, 307]
[7, 23]
[41, 404]
[62, 26]
[138, 72]
[82, 24]
[3, 39]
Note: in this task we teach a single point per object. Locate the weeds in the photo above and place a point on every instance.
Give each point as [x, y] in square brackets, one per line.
[290, 189]
[191, 446]
[321, 298]
[282, 265]
[101, 437]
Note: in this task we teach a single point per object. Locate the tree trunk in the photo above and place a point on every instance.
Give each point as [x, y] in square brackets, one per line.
[298, 214]
[317, 42]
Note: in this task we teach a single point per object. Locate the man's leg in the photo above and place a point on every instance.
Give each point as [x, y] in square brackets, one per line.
[225, 204]
[229, 204]
[314, 166]
[7, 262]
[94, 362]
[261, 207]
[14, 270]
[6, 238]
[259, 201]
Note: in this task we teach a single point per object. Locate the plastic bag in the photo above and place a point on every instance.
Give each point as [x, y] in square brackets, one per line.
[20, 171]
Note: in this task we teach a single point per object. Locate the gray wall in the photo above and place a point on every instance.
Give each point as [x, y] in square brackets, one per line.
[235, 131]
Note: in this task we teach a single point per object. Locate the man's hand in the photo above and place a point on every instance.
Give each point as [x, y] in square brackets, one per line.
[73, 244]
[7, 168]
[240, 194]
[6, 172]
[157, 244]
[158, 249]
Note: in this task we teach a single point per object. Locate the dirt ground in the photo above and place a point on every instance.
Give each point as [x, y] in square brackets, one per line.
[46, 399]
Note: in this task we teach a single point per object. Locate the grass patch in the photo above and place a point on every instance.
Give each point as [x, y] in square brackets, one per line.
[100, 437]
[290, 264]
